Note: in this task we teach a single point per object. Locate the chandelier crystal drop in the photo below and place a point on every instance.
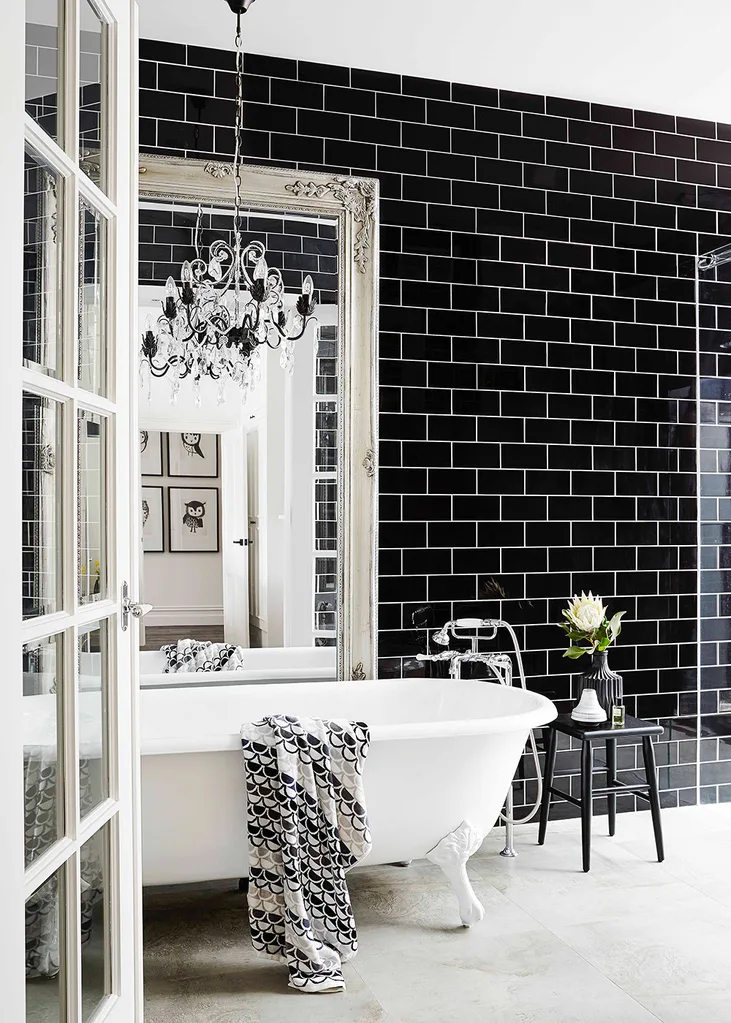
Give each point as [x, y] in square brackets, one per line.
[225, 309]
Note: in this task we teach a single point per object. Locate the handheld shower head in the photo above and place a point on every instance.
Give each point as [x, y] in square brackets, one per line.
[442, 637]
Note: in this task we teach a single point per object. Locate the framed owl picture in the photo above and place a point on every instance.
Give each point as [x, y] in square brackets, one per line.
[150, 453]
[193, 454]
[193, 517]
[153, 541]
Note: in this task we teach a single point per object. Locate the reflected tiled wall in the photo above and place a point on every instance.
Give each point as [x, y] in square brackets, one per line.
[41, 81]
[537, 359]
[296, 247]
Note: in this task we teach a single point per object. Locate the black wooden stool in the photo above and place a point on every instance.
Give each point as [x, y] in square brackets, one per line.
[587, 735]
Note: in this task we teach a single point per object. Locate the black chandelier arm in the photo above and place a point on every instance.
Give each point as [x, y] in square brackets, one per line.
[306, 320]
[253, 248]
[159, 371]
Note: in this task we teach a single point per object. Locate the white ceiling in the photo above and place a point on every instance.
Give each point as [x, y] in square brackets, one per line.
[664, 55]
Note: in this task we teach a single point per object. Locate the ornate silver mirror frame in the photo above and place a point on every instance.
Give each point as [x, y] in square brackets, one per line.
[354, 202]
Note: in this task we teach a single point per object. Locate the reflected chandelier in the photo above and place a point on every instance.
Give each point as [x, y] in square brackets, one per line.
[223, 311]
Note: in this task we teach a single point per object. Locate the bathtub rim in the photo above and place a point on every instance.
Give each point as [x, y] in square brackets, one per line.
[539, 711]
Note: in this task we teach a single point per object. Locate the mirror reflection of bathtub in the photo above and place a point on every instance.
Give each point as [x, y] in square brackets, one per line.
[266, 664]
[274, 664]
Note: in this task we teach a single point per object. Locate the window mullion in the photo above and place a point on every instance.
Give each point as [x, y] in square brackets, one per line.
[69, 86]
[72, 937]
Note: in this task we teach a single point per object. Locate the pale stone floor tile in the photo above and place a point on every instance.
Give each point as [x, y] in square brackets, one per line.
[710, 1008]
[257, 994]
[531, 977]
[633, 941]
[662, 954]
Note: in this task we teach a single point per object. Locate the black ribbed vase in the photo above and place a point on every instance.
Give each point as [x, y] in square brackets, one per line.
[608, 684]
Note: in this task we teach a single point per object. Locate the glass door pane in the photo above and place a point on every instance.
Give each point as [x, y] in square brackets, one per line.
[92, 528]
[41, 444]
[94, 660]
[44, 953]
[41, 266]
[42, 744]
[92, 94]
[42, 39]
[92, 371]
[95, 957]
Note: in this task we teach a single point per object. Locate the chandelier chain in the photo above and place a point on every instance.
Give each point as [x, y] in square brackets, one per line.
[237, 153]
[228, 307]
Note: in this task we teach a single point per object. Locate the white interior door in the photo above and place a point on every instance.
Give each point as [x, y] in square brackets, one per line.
[257, 551]
[69, 850]
[237, 544]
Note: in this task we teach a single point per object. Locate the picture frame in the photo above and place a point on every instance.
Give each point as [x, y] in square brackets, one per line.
[153, 533]
[150, 453]
[193, 455]
[193, 520]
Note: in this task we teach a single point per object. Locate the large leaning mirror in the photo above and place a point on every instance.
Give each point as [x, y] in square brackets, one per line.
[257, 471]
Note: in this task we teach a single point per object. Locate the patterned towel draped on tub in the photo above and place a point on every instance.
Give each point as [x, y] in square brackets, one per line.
[307, 826]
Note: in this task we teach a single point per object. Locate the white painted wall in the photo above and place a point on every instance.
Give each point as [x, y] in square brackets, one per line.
[185, 589]
[661, 55]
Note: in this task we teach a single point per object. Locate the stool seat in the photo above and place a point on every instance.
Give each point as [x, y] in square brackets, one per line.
[587, 736]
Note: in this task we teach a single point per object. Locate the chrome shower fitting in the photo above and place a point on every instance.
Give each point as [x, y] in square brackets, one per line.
[443, 655]
[502, 667]
[473, 624]
[499, 665]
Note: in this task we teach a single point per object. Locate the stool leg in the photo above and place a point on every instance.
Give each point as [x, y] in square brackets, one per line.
[547, 783]
[612, 777]
[648, 753]
[586, 802]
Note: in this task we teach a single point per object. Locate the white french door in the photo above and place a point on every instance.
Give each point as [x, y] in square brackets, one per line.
[69, 895]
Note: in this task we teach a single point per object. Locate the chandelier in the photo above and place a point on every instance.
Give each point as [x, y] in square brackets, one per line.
[214, 322]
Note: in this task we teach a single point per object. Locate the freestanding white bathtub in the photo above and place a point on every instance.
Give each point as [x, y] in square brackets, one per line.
[442, 758]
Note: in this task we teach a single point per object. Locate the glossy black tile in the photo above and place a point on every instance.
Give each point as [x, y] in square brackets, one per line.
[537, 424]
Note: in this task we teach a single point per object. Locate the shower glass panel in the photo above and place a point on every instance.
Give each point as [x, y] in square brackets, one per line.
[714, 473]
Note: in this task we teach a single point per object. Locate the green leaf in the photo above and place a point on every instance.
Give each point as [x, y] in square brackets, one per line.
[574, 652]
[571, 633]
[615, 625]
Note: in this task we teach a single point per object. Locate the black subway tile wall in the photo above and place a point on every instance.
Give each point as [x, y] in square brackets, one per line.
[537, 364]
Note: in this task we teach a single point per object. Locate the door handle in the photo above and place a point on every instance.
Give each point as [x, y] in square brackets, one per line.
[132, 607]
[244, 543]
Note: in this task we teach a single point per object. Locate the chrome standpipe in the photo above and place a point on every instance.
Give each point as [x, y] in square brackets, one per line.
[509, 849]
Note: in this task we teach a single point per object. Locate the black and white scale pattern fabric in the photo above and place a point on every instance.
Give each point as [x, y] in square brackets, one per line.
[195, 655]
[307, 826]
[43, 921]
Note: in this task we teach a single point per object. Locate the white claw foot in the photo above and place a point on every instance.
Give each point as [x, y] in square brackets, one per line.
[451, 854]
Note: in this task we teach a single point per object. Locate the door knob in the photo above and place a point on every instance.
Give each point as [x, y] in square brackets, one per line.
[244, 543]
